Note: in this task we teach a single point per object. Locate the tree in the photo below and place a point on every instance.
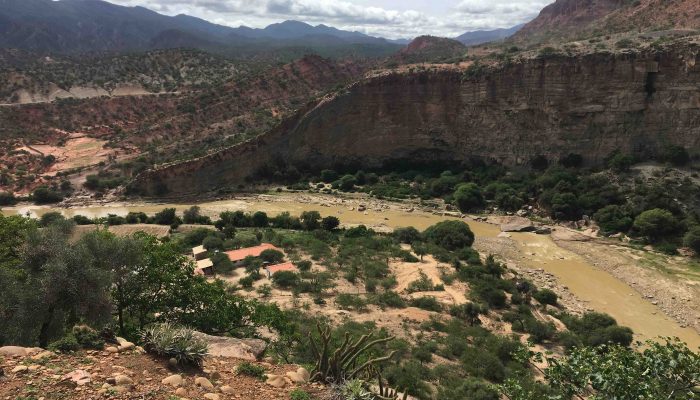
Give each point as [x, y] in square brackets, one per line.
[546, 296]
[51, 217]
[285, 279]
[468, 197]
[7, 199]
[451, 235]
[346, 183]
[407, 235]
[330, 223]
[420, 249]
[310, 220]
[656, 224]
[165, 217]
[272, 256]
[191, 215]
[328, 175]
[692, 239]
[260, 220]
[613, 218]
[252, 267]
[676, 155]
[667, 370]
[468, 312]
[44, 195]
[212, 243]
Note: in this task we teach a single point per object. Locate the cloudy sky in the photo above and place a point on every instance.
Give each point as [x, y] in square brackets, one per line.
[386, 18]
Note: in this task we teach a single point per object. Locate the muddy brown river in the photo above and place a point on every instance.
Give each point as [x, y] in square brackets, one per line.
[600, 290]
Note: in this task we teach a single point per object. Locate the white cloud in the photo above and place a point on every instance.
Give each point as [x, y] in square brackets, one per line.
[378, 17]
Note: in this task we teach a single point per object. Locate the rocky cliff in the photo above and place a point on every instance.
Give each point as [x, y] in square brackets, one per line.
[590, 105]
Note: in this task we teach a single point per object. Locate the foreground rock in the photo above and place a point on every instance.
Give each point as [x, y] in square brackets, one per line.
[244, 349]
[516, 224]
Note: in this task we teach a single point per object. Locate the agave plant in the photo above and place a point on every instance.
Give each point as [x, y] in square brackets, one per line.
[167, 340]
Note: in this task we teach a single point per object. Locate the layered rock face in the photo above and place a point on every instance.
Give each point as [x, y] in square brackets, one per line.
[590, 105]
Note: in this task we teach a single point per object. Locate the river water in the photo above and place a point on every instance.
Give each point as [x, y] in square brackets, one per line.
[600, 290]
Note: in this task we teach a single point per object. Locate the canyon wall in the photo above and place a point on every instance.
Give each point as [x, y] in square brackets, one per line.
[589, 105]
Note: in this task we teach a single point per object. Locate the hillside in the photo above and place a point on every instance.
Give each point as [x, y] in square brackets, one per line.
[573, 19]
[479, 37]
[430, 49]
[546, 106]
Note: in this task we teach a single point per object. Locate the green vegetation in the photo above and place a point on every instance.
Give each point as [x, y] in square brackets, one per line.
[250, 369]
[170, 341]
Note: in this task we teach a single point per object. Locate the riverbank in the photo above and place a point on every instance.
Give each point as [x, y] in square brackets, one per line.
[577, 272]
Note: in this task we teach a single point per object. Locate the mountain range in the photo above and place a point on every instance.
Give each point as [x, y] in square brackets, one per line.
[78, 26]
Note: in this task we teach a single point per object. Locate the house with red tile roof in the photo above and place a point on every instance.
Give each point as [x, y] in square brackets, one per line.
[237, 256]
[273, 269]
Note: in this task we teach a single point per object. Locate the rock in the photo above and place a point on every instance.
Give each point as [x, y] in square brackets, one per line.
[79, 377]
[211, 396]
[172, 362]
[111, 349]
[17, 351]
[43, 354]
[504, 235]
[203, 382]
[543, 230]
[126, 346]
[123, 380]
[173, 380]
[227, 389]
[182, 392]
[276, 381]
[19, 369]
[301, 375]
[245, 349]
[516, 224]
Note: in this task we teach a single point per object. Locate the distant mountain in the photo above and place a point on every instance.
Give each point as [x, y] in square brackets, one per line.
[569, 19]
[430, 49]
[75, 26]
[478, 37]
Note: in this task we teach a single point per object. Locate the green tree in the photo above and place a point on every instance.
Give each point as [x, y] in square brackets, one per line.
[656, 224]
[330, 223]
[468, 197]
[166, 216]
[310, 220]
[260, 219]
[451, 235]
[692, 239]
[272, 256]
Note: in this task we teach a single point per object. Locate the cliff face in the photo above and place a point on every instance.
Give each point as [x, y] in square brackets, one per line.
[590, 105]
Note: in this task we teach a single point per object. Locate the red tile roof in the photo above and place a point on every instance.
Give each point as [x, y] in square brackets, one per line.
[240, 254]
[272, 269]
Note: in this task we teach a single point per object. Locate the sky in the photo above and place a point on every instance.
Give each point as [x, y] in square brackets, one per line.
[392, 19]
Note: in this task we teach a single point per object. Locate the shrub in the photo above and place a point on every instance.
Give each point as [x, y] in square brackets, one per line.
[613, 218]
[171, 341]
[427, 303]
[422, 284]
[50, 218]
[451, 235]
[303, 265]
[328, 175]
[389, 299]
[212, 243]
[7, 199]
[539, 331]
[494, 297]
[347, 301]
[406, 235]
[247, 282]
[330, 223]
[299, 394]
[82, 220]
[285, 279]
[545, 296]
[165, 217]
[65, 344]
[250, 369]
[44, 195]
[88, 338]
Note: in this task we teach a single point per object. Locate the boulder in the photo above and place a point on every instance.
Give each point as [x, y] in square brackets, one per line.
[227, 347]
[211, 396]
[181, 392]
[226, 389]
[173, 380]
[516, 224]
[79, 377]
[543, 230]
[112, 349]
[19, 369]
[203, 382]
[122, 380]
[276, 381]
[17, 351]
[301, 375]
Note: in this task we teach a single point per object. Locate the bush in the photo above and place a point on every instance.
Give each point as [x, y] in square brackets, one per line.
[7, 199]
[330, 223]
[247, 282]
[328, 175]
[545, 296]
[250, 369]
[613, 218]
[389, 299]
[212, 243]
[50, 218]
[303, 265]
[44, 195]
[285, 279]
[347, 301]
[427, 303]
[165, 217]
[451, 235]
[171, 341]
[539, 331]
[88, 338]
[406, 235]
[82, 220]
[299, 394]
[66, 344]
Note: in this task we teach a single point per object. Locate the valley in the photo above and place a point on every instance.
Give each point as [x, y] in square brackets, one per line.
[583, 267]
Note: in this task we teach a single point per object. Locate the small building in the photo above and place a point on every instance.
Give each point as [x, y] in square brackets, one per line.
[199, 252]
[204, 267]
[237, 256]
[273, 269]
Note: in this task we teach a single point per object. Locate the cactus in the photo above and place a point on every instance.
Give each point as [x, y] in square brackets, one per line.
[387, 393]
[339, 365]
